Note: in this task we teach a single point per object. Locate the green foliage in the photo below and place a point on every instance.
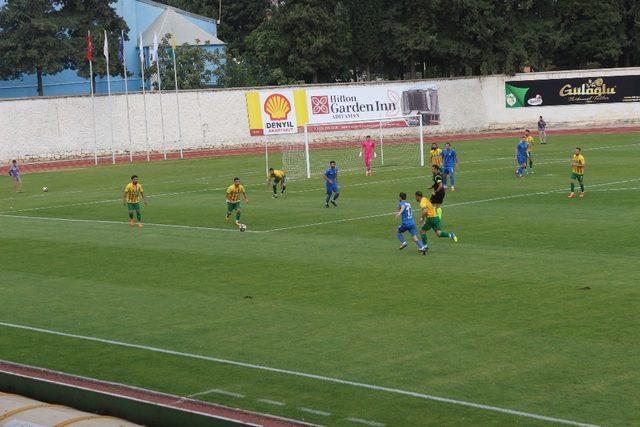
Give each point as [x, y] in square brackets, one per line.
[193, 66]
[47, 36]
[96, 16]
[32, 39]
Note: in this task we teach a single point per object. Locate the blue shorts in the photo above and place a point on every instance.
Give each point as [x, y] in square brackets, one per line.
[332, 188]
[522, 159]
[411, 228]
[448, 170]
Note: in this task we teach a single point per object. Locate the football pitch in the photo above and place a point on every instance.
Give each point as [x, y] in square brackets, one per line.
[314, 313]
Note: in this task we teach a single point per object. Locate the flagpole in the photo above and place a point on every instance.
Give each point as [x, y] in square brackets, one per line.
[106, 55]
[89, 56]
[93, 114]
[126, 92]
[144, 100]
[175, 74]
[164, 141]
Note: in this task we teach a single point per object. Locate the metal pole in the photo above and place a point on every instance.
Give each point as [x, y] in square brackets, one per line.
[113, 146]
[164, 141]
[175, 74]
[381, 146]
[421, 142]
[126, 91]
[306, 150]
[266, 156]
[144, 101]
[93, 114]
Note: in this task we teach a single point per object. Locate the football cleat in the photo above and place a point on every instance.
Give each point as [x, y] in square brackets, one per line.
[227, 216]
[333, 202]
[571, 195]
[139, 225]
[582, 194]
[132, 223]
[454, 237]
[424, 250]
[402, 246]
[326, 205]
[453, 188]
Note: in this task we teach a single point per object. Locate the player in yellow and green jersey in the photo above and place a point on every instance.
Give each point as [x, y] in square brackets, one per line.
[234, 191]
[529, 140]
[430, 220]
[133, 192]
[278, 176]
[577, 172]
[435, 155]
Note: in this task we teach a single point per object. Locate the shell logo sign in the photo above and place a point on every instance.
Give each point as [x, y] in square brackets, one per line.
[273, 112]
[277, 107]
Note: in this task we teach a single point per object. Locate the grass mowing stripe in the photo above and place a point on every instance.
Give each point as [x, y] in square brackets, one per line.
[97, 221]
[470, 202]
[293, 227]
[304, 375]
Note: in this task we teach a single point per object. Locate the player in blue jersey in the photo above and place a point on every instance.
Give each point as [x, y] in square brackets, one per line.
[522, 150]
[331, 182]
[408, 224]
[450, 162]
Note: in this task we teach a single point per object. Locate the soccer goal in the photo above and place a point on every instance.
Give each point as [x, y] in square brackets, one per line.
[399, 142]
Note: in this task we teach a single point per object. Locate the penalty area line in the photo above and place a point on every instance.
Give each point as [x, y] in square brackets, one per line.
[323, 378]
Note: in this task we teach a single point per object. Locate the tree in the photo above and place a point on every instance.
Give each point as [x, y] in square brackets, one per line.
[194, 66]
[595, 33]
[97, 16]
[32, 40]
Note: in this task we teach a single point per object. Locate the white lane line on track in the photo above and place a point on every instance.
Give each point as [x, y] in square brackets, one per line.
[365, 422]
[315, 411]
[271, 402]
[470, 202]
[217, 391]
[324, 378]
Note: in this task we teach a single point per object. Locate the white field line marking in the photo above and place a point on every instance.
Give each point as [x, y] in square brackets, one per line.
[614, 189]
[146, 224]
[604, 147]
[293, 227]
[470, 202]
[314, 411]
[271, 402]
[303, 375]
[217, 391]
[365, 422]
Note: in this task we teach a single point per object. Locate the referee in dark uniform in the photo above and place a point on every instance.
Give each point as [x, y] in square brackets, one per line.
[438, 189]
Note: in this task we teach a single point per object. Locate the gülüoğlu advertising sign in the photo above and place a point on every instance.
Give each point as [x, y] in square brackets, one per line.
[586, 90]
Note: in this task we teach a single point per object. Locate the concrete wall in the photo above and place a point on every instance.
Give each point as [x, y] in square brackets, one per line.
[55, 128]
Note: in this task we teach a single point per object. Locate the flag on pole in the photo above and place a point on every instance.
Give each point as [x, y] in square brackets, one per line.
[89, 49]
[121, 47]
[105, 49]
[141, 50]
[154, 52]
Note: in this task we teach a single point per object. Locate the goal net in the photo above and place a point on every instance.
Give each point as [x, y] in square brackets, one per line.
[398, 142]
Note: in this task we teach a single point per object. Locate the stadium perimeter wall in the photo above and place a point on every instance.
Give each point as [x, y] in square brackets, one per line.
[62, 127]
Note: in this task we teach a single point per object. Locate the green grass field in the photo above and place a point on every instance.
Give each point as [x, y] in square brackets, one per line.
[501, 319]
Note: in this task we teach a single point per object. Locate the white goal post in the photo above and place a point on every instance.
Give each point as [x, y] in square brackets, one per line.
[399, 141]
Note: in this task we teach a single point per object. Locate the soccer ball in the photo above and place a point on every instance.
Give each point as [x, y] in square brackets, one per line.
[45, 189]
[243, 227]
